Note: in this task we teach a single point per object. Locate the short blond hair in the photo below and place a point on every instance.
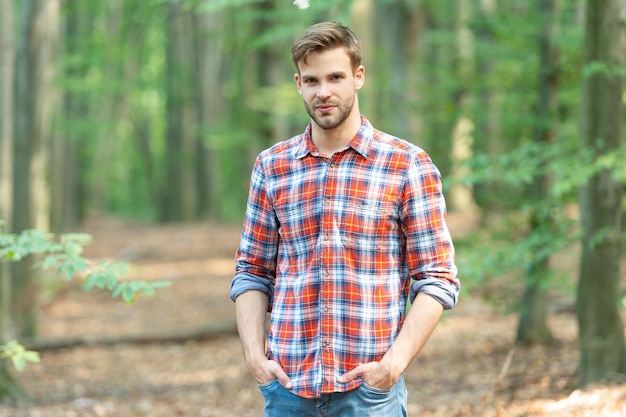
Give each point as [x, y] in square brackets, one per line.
[324, 36]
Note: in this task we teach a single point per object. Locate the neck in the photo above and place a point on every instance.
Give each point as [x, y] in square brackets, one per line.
[330, 141]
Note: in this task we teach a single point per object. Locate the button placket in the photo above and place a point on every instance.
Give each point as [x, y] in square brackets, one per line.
[327, 288]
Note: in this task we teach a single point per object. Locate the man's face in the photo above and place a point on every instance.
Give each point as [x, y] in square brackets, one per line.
[328, 86]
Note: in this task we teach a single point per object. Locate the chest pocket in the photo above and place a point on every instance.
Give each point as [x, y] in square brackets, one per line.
[299, 225]
[372, 225]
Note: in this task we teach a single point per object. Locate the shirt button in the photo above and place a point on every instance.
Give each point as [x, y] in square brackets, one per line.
[325, 272]
[325, 344]
[332, 164]
[326, 309]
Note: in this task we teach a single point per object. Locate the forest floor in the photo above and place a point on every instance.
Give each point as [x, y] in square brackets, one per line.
[470, 367]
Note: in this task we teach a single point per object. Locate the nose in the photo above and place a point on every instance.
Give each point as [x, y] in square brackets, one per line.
[323, 92]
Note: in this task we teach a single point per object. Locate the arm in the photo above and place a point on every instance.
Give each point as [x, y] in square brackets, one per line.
[251, 309]
[418, 326]
[430, 257]
[252, 287]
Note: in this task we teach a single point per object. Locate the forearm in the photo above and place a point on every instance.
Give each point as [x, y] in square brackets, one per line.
[251, 308]
[419, 325]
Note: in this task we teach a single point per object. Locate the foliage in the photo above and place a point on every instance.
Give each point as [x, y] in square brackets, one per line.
[507, 246]
[63, 254]
[117, 73]
[18, 354]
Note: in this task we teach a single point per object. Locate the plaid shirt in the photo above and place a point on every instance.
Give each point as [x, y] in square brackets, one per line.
[333, 242]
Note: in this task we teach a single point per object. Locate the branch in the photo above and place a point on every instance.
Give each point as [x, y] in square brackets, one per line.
[210, 331]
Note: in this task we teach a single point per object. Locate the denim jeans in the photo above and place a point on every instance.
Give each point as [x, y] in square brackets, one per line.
[364, 401]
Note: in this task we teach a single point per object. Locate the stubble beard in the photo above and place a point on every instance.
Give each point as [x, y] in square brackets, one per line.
[329, 121]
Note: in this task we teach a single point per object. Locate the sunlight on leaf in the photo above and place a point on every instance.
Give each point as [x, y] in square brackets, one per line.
[18, 354]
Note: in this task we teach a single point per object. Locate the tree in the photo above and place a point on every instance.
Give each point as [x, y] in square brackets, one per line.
[179, 201]
[602, 345]
[7, 62]
[211, 104]
[66, 207]
[35, 63]
[441, 84]
[533, 326]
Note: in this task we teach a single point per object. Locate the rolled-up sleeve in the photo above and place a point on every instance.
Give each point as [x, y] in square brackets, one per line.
[443, 291]
[255, 268]
[430, 251]
[244, 282]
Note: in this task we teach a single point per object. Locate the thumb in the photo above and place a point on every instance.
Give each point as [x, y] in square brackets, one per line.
[282, 377]
[285, 381]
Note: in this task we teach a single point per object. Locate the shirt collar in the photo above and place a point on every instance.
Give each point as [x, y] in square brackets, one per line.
[361, 142]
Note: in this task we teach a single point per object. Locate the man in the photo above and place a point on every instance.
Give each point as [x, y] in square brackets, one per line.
[343, 224]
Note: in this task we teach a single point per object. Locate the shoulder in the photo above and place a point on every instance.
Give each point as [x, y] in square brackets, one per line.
[386, 144]
[284, 149]
[280, 158]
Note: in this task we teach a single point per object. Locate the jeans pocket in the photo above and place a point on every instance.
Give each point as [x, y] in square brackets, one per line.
[374, 390]
[266, 386]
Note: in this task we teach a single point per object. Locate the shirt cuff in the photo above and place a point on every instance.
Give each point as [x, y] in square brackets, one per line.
[244, 282]
[441, 290]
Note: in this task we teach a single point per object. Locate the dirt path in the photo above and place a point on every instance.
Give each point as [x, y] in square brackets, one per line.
[469, 368]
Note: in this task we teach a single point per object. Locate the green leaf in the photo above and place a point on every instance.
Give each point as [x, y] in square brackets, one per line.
[147, 290]
[18, 354]
[18, 362]
[31, 356]
[90, 282]
[73, 249]
[66, 269]
[118, 289]
[50, 261]
[129, 293]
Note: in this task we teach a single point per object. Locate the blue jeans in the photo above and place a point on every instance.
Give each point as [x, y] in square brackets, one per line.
[364, 401]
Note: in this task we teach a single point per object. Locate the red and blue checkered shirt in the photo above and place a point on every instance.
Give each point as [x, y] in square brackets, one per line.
[334, 243]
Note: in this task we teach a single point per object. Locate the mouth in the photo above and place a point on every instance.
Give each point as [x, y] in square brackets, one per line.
[324, 108]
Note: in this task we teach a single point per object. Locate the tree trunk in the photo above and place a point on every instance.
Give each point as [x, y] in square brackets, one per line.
[362, 17]
[440, 97]
[179, 201]
[272, 125]
[601, 329]
[533, 326]
[29, 130]
[211, 104]
[33, 120]
[460, 197]
[488, 115]
[65, 207]
[395, 41]
[7, 62]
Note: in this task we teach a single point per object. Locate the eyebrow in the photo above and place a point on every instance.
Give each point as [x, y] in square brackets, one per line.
[330, 75]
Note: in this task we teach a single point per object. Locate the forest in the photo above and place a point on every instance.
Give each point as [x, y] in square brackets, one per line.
[124, 119]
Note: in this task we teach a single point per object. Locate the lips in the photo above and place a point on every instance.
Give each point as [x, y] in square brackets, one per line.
[324, 108]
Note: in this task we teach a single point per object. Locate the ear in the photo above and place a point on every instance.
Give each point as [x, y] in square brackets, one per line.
[298, 80]
[359, 77]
